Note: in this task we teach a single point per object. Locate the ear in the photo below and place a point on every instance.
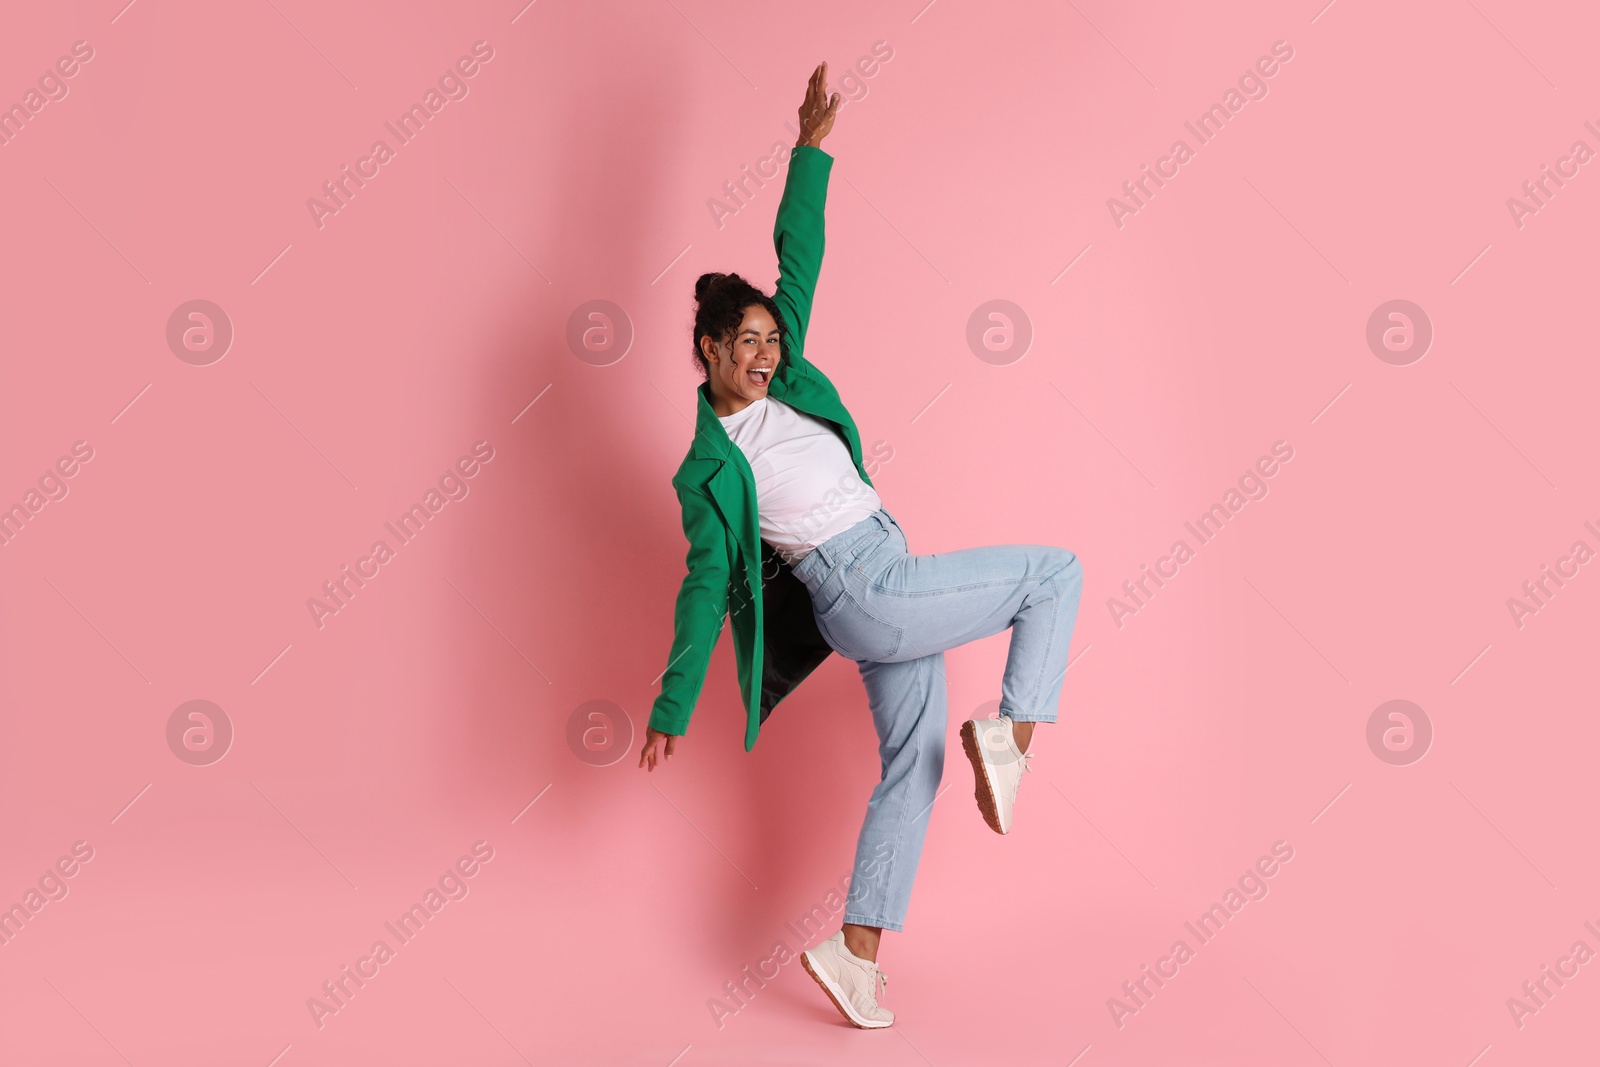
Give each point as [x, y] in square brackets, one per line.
[708, 348]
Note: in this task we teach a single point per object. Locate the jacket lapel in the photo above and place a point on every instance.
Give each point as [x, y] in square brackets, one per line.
[731, 483]
[806, 389]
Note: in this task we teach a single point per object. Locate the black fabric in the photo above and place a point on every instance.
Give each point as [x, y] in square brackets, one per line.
[794, 645]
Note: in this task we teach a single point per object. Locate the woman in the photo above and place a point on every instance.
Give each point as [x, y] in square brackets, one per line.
[787, 533]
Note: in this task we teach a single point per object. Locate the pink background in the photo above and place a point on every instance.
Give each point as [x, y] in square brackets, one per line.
[1228, 714]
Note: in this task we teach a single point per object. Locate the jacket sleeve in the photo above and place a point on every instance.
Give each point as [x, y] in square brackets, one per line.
[697, 619]
[798, 237]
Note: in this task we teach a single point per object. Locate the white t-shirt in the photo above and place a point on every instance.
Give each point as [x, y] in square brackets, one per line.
[807, 486]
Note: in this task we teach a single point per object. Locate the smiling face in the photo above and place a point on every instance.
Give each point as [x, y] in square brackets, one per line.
[742, 368]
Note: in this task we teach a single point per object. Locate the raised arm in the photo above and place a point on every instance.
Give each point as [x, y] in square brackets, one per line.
[797, 235]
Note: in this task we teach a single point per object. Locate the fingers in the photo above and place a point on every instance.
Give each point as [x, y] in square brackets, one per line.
[817, 109]
[651, 754]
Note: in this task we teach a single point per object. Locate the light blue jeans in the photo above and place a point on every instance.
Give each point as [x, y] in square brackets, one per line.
[896, 614]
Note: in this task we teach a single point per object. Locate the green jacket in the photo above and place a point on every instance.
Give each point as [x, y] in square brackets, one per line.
[775, 636]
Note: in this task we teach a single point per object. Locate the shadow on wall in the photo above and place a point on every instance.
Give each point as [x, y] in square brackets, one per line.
[590, 602]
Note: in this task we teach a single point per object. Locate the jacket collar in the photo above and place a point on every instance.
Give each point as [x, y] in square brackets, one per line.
[711, 441]
[726, 472]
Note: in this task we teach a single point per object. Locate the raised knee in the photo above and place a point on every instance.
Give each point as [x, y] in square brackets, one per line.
[1065, 564]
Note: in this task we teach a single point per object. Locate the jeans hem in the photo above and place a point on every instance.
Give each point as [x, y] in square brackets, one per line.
[861, 920]
[1026, 718]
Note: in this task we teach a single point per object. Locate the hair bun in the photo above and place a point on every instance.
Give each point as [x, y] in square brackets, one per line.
[705, 282]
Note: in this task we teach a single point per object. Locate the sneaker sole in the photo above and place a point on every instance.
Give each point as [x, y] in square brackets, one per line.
[984, 785]
[836, 995]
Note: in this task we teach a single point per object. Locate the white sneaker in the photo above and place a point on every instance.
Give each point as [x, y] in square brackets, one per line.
[997, 768]
[852, 983]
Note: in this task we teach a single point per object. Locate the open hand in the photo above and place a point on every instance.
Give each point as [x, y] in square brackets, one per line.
[818, 111]
[652, 745]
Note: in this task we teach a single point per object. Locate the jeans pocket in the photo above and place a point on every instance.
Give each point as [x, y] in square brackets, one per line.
[856, 633]
[826, 596]
[863, 550]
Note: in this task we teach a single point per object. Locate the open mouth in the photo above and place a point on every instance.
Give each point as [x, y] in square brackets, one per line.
[760, 376]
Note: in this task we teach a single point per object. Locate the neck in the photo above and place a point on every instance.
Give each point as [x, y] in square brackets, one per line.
[723, 405]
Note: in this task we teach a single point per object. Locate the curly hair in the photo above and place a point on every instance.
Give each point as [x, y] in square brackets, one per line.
[720, 301]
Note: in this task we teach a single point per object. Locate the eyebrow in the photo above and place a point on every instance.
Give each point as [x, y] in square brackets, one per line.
[752, 329]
